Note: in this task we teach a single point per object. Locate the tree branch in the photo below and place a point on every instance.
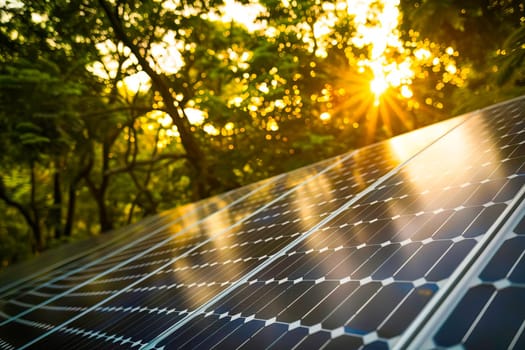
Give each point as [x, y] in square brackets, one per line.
[195, 155]
[141, 163]
[18, 206]
[119, 109]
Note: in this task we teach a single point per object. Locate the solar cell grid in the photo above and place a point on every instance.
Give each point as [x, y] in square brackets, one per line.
[33, 295]
[170, 245]
[73, 273]
[382, 259]
[159, 228]
[107, 252]
[78, 261]
[105, 255]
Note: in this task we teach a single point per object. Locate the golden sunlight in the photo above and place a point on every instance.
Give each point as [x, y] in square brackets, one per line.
[380, 98]
[378, 86]
[376, 28]
[325, 116]
[137, 82]
[244, 14]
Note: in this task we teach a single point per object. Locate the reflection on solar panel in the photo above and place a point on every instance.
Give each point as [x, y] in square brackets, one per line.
[417, 242]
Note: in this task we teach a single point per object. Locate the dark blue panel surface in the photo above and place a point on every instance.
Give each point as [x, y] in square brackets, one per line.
[364, 276]
[491, 313]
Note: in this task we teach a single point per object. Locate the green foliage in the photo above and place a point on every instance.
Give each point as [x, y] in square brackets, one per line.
[513, 59]
[487, 34]
[83, 152]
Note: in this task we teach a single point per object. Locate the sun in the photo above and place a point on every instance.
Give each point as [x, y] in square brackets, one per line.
[376, 26]
[378, 86]
[375, 97]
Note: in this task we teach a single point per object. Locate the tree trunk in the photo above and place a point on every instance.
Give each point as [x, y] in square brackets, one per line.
[72, 192]
[203, 179]
[55, 214]
[25, 212]
[106, 224]
[99, 192]
[35, 224]
[71, 205]
[104, 217]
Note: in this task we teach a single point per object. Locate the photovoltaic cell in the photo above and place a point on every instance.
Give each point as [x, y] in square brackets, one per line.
[353, 252]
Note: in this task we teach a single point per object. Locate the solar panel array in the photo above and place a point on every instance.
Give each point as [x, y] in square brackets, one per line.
[418, 241]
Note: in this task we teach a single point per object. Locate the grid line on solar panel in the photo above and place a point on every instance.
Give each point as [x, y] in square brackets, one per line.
[364, 173]
[481, 203]
[111, 338]
[91, 257]
[485, 309]
[130, 253]
[270, 202]
[111, 262]
[200, 213]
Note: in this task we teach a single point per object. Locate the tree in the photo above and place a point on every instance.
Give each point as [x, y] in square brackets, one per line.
[194, 153]
[481, 32]
[33, 135]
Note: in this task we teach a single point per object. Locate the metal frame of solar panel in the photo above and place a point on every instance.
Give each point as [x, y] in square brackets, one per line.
[379, 248]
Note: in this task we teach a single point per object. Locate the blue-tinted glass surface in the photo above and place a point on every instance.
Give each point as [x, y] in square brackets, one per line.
[491, 313]
[369, 271]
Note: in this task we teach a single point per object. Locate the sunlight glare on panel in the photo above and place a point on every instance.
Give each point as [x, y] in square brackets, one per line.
[403, 147]
[427, 174]
[306, 207]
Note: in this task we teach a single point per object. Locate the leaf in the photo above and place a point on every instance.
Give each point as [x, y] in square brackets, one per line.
[27, 126]
[33, 139]
[513, 61]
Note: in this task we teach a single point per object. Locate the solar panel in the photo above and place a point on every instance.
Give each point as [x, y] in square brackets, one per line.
[364, 250]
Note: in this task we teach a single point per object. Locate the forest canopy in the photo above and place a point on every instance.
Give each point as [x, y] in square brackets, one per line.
[113, 110]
